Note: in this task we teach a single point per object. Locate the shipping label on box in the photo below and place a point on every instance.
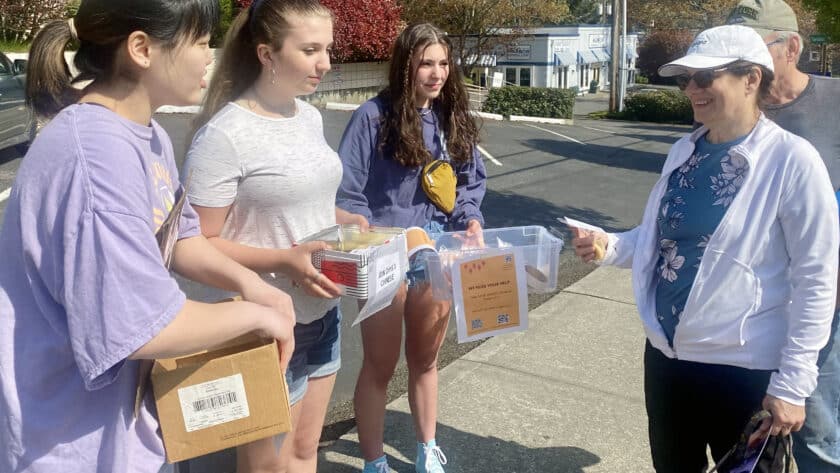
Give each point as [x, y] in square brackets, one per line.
[214, 402]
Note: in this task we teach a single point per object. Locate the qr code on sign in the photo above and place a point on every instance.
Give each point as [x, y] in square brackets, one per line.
[503, 319]
[477, 324]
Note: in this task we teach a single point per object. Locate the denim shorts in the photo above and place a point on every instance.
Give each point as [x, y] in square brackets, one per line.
[317, 353]
[418, 263]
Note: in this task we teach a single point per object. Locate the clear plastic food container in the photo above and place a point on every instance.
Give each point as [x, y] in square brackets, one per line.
[540, 249]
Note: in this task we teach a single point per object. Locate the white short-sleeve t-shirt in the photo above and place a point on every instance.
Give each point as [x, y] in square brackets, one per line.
[280, 178]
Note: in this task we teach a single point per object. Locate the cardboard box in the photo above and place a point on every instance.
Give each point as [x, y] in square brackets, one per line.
[221, 398]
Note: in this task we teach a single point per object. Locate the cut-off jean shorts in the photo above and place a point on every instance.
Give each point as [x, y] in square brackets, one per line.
[317, 353]
[418, 263]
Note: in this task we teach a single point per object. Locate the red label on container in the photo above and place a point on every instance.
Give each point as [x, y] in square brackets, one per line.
[340, 272]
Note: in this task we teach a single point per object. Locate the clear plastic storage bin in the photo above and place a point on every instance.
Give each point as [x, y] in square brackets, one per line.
[540, 248]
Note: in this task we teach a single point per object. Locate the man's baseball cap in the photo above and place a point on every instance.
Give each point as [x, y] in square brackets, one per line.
[764, 16]
[720, 46]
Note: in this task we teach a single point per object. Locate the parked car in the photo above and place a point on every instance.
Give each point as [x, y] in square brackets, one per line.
[17, 122]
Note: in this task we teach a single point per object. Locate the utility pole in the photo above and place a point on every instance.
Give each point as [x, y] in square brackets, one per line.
[614, 44]
[622, 91]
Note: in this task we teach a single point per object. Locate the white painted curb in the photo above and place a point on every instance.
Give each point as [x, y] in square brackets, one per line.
[348, 107]
[553, 121]
[487, 116]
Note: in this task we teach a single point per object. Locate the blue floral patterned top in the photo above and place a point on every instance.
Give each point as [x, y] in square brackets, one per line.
[698, 195]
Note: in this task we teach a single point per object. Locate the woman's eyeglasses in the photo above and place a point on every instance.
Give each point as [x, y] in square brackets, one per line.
[703, 79]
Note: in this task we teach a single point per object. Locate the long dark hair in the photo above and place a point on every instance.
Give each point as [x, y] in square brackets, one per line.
[400, 129]
[265, 22]
[101, 27]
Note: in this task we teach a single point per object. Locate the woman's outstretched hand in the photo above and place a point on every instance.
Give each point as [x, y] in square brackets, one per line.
[590, 246]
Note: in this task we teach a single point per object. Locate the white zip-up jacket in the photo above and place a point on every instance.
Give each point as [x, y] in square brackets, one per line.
[765, 289]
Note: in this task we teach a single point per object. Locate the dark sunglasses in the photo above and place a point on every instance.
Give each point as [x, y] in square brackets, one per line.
[703, 79]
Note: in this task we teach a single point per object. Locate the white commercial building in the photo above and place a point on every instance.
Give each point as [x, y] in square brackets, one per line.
[556, 56]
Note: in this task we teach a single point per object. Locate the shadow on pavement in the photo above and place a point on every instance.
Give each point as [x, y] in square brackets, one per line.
[470, 453]
[513, 210]
[612, 156]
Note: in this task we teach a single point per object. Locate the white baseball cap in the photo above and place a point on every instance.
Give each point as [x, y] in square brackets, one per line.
[719, 46]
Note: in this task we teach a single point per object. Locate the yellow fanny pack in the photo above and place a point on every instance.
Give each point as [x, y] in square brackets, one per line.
[438, 182]
[438, 179]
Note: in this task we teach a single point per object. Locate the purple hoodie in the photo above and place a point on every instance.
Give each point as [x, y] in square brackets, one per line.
[388, 193]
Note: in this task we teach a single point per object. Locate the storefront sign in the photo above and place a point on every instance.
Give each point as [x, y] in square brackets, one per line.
[519, 52]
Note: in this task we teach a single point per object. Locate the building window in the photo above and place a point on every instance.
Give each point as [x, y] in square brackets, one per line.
[525, 77]
[510, 75]
[518, 75]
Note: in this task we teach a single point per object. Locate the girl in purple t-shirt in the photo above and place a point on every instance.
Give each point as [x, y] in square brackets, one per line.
[85, 293]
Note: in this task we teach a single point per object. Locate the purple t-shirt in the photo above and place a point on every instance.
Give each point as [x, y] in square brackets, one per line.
[82, 286]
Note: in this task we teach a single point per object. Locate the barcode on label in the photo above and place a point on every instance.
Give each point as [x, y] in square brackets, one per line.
[214, 402]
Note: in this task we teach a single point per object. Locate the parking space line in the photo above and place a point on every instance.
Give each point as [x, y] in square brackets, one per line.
[598, 129]
[488, 156]
[5, 194]
[558, 134]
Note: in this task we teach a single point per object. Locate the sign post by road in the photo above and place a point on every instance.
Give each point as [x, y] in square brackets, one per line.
[822, 40]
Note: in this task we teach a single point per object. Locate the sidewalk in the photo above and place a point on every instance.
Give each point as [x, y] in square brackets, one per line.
[564, 396]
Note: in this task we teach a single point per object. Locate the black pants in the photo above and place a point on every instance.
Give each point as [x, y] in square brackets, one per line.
[691, 405]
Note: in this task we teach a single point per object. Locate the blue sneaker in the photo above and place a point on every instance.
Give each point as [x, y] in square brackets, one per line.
[430, 458]
[380, 465]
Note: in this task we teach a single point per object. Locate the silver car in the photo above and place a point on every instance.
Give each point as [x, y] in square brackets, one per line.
[17, 122]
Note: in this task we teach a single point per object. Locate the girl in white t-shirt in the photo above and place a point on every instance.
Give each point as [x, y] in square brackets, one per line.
[261, 177]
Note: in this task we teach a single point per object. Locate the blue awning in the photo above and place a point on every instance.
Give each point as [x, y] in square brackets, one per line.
[602, 54]
[565, 58]
[586, 56]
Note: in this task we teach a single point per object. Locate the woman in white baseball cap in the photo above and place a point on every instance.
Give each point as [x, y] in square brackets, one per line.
[734, 263]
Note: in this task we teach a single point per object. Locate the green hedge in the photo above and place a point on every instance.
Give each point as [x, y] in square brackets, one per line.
[661, 106]
[530, 101]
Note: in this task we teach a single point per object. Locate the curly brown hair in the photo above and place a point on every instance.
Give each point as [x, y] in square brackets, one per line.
[400, 129]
